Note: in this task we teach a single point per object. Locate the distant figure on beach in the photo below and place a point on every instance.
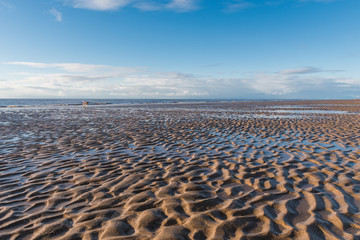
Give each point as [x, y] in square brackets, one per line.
[85, 103]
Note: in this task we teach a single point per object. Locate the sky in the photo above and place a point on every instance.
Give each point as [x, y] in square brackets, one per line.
[180, 49]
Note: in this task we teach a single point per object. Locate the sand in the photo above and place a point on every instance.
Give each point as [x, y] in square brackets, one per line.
[257, 170]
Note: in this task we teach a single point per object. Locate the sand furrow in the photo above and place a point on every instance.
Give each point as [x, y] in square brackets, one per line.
[181, 171]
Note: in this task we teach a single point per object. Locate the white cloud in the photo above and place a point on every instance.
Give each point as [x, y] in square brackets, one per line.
[100, 4]
[56, 14]
[174, 5]
[145, 5]
[104, 81]
[290, 81]
[76, 67]
[348, 82]
[270, 84]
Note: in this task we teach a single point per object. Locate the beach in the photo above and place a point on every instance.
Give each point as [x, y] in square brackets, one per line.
[219, 170]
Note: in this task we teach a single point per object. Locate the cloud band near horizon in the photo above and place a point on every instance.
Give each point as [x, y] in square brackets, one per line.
[90, 80]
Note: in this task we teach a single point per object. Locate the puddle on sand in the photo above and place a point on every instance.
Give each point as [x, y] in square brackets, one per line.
[309, 111]
[247, 115]
[290, 106]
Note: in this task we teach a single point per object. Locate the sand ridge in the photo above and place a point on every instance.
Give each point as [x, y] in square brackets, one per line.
[181, 171]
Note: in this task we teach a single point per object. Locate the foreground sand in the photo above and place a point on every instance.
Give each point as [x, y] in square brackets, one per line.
[181, 171]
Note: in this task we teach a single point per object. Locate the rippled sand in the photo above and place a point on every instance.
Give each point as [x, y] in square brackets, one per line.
[181, 171]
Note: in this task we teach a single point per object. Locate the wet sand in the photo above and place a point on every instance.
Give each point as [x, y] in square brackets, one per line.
[257, 170]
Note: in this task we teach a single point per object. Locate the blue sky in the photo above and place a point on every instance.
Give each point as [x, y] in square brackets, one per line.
[180, 49]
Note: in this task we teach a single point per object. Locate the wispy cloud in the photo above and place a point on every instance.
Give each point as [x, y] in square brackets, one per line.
[348, 83]
[175, 5]
[237, 5]
[144, 5]
[182, 5]
[305, 70]
[100, 4]
[76, 67]
[90, 80]
[6, 4]
[148, 5]
[324, 1]
[56, 14]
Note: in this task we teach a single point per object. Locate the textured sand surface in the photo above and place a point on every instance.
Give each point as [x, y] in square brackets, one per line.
[260, 170]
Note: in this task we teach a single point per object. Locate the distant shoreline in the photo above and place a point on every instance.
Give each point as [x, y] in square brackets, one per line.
[30, 103]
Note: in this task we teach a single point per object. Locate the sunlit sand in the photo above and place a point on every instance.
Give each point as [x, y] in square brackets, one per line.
[257, 170]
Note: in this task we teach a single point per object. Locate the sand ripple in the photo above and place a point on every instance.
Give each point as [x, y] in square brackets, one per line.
[181, 171]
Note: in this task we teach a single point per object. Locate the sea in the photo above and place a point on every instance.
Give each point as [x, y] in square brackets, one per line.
[7, 103]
